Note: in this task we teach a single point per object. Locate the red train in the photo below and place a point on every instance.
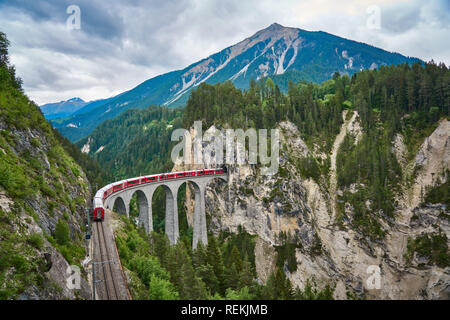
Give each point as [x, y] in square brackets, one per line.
[105, 192]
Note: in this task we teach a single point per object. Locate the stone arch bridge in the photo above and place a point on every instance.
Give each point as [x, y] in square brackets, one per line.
[171, 182]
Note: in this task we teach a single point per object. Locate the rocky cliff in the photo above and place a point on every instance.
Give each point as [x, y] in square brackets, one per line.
[331, 253]
[43, 197]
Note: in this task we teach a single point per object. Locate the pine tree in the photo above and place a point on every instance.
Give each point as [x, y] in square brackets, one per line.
[283, 287]
[246, 275]
[231, 277]
[235, 258]
[278, 287]
[4, 44]
[215, 259]
[207, 275]
[160, 246]
[192, 286]
[199, 256]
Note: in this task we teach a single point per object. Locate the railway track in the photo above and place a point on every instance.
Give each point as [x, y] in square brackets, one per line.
[111, 291]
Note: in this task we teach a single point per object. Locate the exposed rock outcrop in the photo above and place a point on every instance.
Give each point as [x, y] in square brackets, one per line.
[59, 191]
[286, 202]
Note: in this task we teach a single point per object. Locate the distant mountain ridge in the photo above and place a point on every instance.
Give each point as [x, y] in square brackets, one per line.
[315, 56]
[63, 108]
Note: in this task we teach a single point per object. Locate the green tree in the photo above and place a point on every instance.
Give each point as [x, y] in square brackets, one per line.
[235, 258]
[160, 246]
[182, 274]
[207, 275]
[278, 287]
[246, 275]
[4, 44]
[215, 258]
[161, 289]
[242, 294]
[148, 266]
[199, 256]
[310, 292]
[231, 277]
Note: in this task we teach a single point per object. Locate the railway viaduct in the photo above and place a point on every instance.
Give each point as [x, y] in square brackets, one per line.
[145, 194]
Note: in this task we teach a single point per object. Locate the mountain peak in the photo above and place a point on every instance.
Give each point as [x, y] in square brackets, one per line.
[63, 108]
[311, 56]
[275, 26]
[76, 99]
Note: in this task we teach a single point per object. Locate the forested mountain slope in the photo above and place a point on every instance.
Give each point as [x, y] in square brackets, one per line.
[291, 53]
[137, 141]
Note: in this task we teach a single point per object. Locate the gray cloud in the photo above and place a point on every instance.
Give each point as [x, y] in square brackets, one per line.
[398, 18]
[122, 43]
[99, 18]
[400, 21]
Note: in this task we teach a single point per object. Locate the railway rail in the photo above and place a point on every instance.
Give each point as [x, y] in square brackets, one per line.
[107, 271]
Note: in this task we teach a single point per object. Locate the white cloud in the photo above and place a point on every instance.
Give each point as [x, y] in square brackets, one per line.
[122, 44]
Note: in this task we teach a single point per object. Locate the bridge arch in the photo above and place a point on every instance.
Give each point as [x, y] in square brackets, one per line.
[143, 208]
[184, 219]
[194, 221]
[119, 206]
[171, 210]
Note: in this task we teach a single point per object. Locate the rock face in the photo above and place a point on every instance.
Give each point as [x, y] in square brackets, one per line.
[286, 202]
[60, 192]
[432, 160]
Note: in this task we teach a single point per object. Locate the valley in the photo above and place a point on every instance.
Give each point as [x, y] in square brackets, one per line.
[357, 210]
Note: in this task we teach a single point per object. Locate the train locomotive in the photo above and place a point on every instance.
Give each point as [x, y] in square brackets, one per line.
[98, 213]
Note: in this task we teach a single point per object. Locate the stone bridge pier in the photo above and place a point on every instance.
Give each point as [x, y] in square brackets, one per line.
[145, 194]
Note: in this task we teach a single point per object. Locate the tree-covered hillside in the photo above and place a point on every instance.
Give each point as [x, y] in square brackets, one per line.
[392, 99]
[136, 142]
[44, 195]
[288, 53]
[224, 269]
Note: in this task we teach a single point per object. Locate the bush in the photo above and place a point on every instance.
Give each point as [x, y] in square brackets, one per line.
[148, 266]
[36, 240]
[72, 252]
[310, 168]
[62, 233]
[14, 180]
[161, 289]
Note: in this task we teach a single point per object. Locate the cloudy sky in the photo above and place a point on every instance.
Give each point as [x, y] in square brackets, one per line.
[121, 44]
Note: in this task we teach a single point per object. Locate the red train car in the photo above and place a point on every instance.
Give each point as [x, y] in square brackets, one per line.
[99, 214]
[132, 183]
